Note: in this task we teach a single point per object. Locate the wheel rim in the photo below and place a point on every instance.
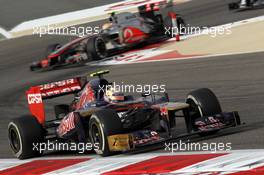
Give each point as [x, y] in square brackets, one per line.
[194, 108]
[96, 135]
[100, 47]
[14, 139]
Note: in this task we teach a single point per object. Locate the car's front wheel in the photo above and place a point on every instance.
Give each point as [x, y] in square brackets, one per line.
[96, 48]
[102, 124]
[203, 102]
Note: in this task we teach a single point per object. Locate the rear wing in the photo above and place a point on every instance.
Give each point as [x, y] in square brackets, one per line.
[154, 6]
[157, 11]
[36, 94]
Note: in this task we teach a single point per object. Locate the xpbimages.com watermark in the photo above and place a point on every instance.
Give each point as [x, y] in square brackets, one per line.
[195, 146]
[132, 88]
[65, 146]
[71, 31]
[191, 30]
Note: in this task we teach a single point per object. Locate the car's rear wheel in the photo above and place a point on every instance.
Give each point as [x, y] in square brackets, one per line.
[203, 102]
[96, 48]
[23, 133]
[102, 124]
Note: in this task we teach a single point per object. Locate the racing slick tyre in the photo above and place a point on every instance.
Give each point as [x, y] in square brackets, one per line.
[23, 132]
[102, 124]
[61, 110]
[203, 102]
[51, 48]
[96, 48]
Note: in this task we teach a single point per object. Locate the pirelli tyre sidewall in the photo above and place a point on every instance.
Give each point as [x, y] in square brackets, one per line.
[96, 48]
[104, 123]
[203, 102]
[23, 132]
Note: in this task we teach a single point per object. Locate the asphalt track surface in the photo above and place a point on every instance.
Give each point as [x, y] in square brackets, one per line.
[237, 80]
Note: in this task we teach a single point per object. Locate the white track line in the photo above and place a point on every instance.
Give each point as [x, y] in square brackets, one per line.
[5, 33]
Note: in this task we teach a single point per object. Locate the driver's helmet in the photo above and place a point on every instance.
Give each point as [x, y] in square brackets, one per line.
[113, 96]
[113, 18]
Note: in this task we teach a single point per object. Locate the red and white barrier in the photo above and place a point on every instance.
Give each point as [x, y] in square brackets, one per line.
[235, 162]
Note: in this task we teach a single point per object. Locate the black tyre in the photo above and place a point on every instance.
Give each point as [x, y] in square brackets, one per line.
[22, 133]
[102, 124]
[96, 48]
[51, 48]
[203, 102]
[61, 110]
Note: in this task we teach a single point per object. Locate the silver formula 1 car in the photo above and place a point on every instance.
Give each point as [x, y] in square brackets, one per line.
[124, 31]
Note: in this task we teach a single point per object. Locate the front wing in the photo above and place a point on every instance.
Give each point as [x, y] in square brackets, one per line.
[143, 138]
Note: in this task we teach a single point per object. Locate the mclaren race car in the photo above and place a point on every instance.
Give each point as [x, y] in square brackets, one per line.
[246, 4]
[109, 120]
[124, 31]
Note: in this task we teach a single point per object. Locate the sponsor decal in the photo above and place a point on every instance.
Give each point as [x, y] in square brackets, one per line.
[128, 34]
[58, 84]
[120, 142]
[34, 98]
[67, 124]
[59, 87]
[60, 91]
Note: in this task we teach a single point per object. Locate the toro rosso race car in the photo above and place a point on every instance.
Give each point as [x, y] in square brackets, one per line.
[125, 31]
[111, 121]
[246, 4]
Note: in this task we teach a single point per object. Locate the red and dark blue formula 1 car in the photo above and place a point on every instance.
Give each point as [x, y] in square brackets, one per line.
[124, 31]
[111, 121]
